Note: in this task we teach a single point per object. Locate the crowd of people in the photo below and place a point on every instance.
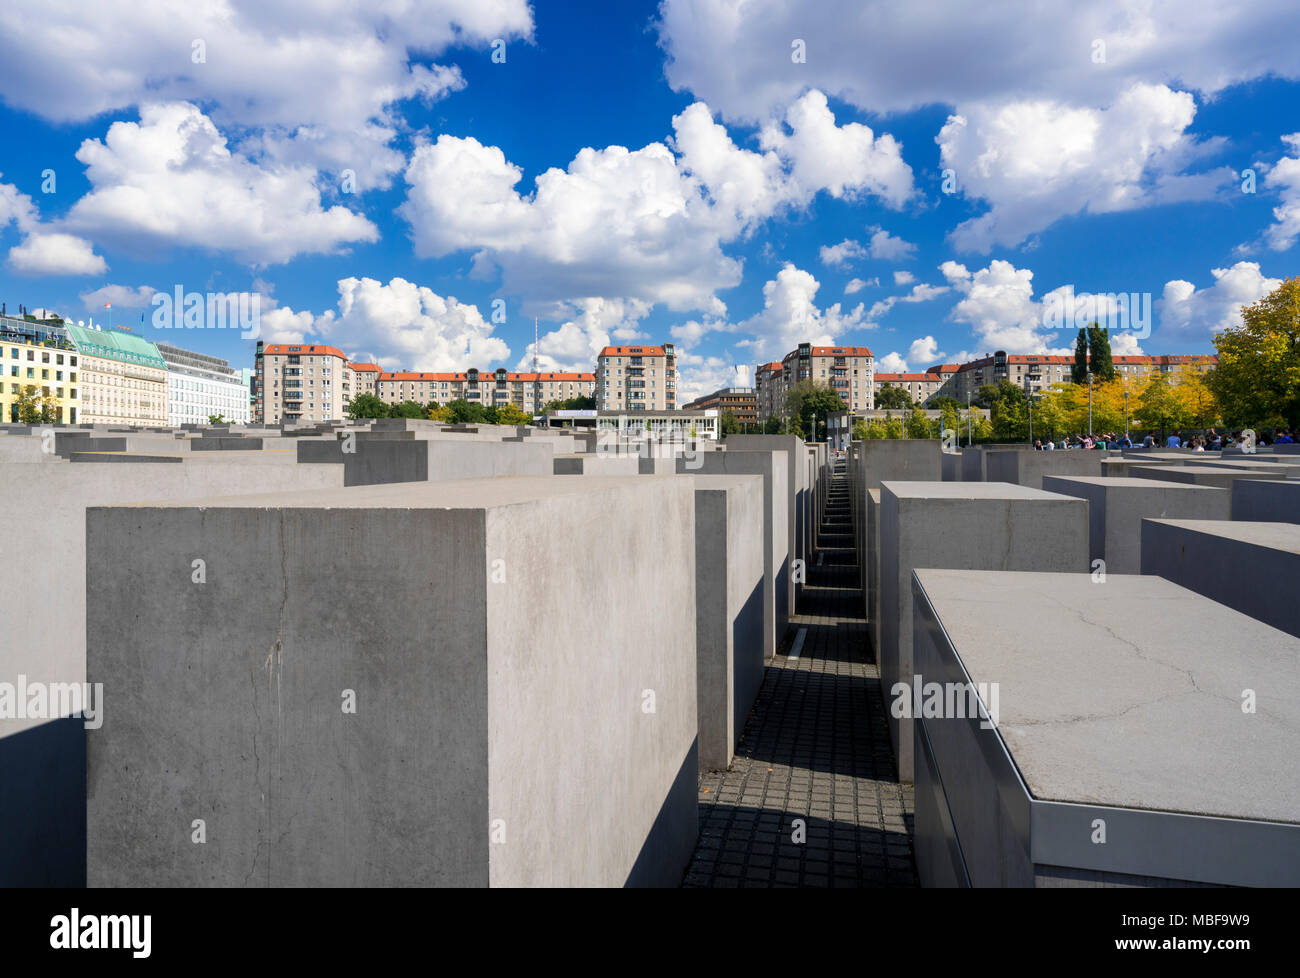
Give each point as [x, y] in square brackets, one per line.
[1210, 440]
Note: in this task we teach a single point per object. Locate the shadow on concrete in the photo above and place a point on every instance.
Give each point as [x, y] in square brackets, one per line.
[43, 805]
[672, 836]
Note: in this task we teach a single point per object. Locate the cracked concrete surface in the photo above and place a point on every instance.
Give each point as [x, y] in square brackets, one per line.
[1130, 692]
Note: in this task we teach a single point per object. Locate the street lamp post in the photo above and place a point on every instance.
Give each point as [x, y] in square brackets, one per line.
[1126, 414]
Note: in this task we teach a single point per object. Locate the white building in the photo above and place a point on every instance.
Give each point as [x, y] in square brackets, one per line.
[199, 386]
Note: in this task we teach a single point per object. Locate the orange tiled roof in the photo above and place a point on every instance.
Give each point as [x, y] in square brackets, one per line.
[284, 349]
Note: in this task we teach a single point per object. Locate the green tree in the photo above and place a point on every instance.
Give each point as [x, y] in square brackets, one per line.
[861, 430]
[27, 405]
[1103, 367]
[509, 414]
[366, 405]
[893, 425]
[949, 415]
[581, 403]
[772, 426]
[808, 401]
[1159, 406]
[918, 425]
[1079, 369]
[217, 419]
[728, 425]
[409, 409]
[1257, 380]
[1006, 404]
[893, 397]
[467, 412]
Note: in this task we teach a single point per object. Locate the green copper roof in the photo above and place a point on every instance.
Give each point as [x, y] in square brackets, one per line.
[112, 344]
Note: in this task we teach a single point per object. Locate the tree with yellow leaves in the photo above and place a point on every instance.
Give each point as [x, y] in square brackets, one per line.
[1257, 380]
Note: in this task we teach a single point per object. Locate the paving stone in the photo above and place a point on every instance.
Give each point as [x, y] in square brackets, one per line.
[815, 747]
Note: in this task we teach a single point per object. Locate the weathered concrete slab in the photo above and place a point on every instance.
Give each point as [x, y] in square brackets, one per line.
[1265, 501]
[798, 521]
[596, 464]
[46, 644]
[470, 661]
[729, 572]
[1027, 468]
[1252, 567]
[225, 444]
[381, 461]
[1129, 722]
[950, 466]
[1116, 508]
[988, 525]
[902, 460]
[772, 466]
[1197, 475]
[1278, 468]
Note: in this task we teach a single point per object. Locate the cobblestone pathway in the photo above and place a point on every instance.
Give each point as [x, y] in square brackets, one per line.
[815, 748]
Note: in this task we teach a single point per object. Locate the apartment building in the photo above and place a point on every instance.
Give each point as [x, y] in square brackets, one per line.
[1036, 373]
[740, 402]
[918, 387]
[769, 391]
[200, 386]
[122, 378]
[848, 370]
[39, 355]
[365, 378]
[636, 378]
[299, 383]
[528, 392]
[1174, 366]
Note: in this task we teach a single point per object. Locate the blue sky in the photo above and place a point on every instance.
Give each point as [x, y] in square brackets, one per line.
[780, 178]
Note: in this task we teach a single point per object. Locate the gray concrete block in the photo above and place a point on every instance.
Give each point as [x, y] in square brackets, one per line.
[210, 443]
[381, 461]
[656, 466]
[1197, 475]
[1116, 508]
[1275, 468]
[988, 526]
[1027, 468]
[513, 726]
[1251, 567]
[901, 460]
[798, 521]
[950, 466]
[1265, 501]
[729, 573]
[773, 468]
[1117, 706]
[595, 464]
[47, 643]
[872, 553]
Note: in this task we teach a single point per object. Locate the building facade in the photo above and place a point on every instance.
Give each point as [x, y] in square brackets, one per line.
[529, 392]
[298, 383]
[37, 359]
[740, 402]
[636, 378]
[122, 377]
[847, 370]
[200, 386]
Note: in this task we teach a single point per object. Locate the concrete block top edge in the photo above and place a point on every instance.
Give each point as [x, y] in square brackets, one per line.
[1275, 536]
[1128, 482]
[1130, 693]
[966, 490]
[468, 494]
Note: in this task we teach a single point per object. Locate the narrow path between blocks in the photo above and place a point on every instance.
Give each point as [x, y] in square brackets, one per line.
[815, 748]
